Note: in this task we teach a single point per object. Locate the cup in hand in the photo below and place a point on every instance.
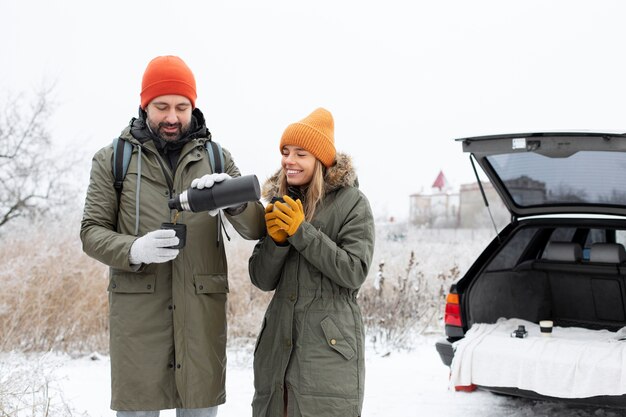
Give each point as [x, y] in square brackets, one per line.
[275, 199]
[181, 233]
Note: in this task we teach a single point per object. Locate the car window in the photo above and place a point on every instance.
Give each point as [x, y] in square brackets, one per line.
[585, 177]
[510, 254]
[596, 235]
[563, 234]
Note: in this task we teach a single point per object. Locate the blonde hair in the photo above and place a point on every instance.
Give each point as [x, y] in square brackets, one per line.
[314, 193]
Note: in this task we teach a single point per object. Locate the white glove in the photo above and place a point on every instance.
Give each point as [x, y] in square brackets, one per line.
[153, 247]
[208, 180]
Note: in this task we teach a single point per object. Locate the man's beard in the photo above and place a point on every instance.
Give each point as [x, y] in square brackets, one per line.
[158, 130]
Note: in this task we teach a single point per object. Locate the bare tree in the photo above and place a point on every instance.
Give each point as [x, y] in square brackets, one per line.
[29, 173]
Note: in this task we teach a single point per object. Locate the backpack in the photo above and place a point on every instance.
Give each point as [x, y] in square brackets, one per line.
[122, 150]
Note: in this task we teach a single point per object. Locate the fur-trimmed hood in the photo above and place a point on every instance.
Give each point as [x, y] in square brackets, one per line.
[340, 175]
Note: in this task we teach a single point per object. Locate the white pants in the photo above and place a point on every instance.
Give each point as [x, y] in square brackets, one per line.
[180, 412]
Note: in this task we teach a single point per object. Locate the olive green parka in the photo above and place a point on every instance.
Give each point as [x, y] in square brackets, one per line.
[167, 320]
[311, 340]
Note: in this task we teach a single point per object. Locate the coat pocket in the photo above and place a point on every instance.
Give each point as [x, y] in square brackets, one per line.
[330, 363]
[211, 283]
[129, 283]
[335, 339]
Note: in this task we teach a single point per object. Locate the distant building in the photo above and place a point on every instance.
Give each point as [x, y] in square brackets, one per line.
[444, 207]
[524, 190]
[437, 208]
[473, 212]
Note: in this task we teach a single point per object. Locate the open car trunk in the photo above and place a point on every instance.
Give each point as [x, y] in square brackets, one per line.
[559, 187]
[561, 258]
[581, 283]
[570, 271]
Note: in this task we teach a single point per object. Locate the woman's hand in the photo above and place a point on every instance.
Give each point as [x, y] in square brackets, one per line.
[289, 215]
[277, 234]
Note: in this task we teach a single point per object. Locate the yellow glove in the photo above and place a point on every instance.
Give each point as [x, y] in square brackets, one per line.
[277, 234]
[289, 216]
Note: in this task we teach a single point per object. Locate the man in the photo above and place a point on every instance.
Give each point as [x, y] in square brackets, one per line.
[167, 306]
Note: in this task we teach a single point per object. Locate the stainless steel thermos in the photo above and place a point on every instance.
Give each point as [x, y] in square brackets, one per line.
[228, 193]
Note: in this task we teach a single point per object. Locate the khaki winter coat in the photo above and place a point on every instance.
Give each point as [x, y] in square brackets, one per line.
[311, 340]
[168, 320]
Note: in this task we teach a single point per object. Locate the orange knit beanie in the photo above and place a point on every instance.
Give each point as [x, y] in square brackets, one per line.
[167, 75]
[315, 133]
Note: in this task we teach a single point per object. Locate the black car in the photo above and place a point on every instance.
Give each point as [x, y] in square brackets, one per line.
[561, 258]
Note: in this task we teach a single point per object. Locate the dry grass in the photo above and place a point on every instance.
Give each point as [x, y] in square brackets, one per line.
[410, 276]
[54, 297]
[398, 307]
[29, 387]
[246, 303]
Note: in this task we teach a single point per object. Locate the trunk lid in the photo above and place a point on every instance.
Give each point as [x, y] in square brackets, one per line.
[555, 172]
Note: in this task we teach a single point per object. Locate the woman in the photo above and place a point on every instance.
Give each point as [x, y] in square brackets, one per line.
[309, 354]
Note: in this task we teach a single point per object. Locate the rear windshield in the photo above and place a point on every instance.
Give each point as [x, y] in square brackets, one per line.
[586, 177]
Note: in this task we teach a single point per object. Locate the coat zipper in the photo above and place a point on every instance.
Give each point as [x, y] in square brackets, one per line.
[169, 176]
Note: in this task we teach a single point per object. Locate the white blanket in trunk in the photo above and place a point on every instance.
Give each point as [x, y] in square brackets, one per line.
[572, 363]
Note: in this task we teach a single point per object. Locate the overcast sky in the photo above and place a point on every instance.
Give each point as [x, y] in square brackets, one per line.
[402, 79]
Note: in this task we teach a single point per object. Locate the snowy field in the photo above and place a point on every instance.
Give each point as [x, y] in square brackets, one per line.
[408, 383]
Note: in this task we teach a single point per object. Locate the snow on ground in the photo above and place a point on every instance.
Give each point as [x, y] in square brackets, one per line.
[398, 383]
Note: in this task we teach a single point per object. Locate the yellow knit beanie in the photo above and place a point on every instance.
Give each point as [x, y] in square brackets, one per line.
[315, 133]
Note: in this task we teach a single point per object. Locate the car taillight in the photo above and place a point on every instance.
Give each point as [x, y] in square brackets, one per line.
[452, 316]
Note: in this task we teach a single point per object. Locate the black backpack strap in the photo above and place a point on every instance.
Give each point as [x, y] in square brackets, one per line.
[122, 151]
[216, 157]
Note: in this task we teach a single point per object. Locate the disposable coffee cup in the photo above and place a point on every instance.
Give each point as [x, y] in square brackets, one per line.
[181, 233]
[545, 326]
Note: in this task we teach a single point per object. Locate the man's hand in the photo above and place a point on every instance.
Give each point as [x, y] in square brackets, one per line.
[153, 247]
[208, 180]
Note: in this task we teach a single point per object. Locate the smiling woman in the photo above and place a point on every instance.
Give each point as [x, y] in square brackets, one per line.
[309, 355]
[298, 165]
